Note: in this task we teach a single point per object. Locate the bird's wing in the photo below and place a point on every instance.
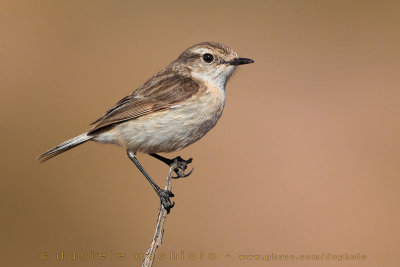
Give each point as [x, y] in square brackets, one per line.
[159, 93]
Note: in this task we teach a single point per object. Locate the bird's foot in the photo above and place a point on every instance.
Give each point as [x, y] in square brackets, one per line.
[181, 166]
[165, 199]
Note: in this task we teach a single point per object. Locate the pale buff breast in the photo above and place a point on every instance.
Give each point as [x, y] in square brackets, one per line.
[170, 130]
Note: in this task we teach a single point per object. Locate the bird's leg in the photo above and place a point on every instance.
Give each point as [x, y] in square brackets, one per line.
[163, 194]
[181, 165]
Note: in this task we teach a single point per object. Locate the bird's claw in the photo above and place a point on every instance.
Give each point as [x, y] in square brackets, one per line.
[181, 166]
[165, 199]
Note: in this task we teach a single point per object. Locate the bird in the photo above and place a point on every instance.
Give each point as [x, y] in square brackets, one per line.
[170, 111]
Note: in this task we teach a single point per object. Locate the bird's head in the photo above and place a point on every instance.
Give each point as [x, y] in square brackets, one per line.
[210, 62]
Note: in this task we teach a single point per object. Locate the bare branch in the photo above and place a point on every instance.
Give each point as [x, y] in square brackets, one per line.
[158, 234]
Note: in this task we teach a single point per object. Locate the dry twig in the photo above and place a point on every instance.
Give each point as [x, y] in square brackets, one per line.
[158, 234]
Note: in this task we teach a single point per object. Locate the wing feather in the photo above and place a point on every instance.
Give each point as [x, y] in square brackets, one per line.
[158, 93]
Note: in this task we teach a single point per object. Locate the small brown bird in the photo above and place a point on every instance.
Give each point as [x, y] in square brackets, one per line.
[171, 110]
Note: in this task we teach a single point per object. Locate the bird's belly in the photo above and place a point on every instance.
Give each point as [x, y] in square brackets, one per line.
[169, 130]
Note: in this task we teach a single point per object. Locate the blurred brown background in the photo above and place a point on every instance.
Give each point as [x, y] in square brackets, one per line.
[305, 159]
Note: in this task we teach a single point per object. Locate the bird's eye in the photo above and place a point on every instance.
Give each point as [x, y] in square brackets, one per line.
[208, 58]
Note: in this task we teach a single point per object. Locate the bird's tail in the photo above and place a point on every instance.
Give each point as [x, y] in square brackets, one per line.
[67, 145]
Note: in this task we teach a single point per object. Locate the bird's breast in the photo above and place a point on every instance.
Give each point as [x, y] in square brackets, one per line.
[204, 111]
[175, 128]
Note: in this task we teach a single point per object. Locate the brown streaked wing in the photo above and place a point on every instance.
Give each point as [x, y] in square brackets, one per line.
[159, 93]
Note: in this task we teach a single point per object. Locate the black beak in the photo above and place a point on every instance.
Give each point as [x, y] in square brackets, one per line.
[240, 61]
